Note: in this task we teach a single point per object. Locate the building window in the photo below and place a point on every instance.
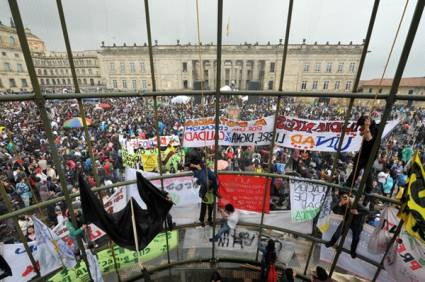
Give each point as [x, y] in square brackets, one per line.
[63, 81]
[337, 84]
[329, 67]
[326, 85]
[24, 82]
[303, 85]
[57, 71]
[38, 71]
[124, 84]
[112, 67]
[69, 81]
[85, 81]
[410, 91]
[12, 41]
[307, 66]
[134, 84]
[122, 67]
[91, 81]
[90, 72]
[54, 81]
[340, 67]
[270, 86]
[83, 71]
[45, 72]
[3, 53]
[66, 71]
[205, 74]
[227, 75]
[185, 84]
[348, 85]
[184, 67]
[352, 67]
[315, 84]
[370, 90]
[380, 90]
[7, 67]
[144, 84]
[272, 65]
[16, 55]
[47, 81]
[132, 68]
[79, 81]
[12, 82]
[61, 71]
[317, 68]
[114, 84]
[42, 81]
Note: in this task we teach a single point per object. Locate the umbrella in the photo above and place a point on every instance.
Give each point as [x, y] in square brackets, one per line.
[226, 88]
[105, 106]
[76, 123]
[180, 100]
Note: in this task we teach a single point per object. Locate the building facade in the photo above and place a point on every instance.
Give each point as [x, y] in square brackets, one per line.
[309, 67]
[314, 67]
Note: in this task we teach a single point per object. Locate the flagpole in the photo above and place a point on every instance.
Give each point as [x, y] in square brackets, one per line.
[136, 241]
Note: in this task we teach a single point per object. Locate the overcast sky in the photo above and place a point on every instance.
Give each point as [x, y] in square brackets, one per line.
[92, 21]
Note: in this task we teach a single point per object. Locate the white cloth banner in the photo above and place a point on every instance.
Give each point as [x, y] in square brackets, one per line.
[292, 132]
[55, 248]
[94, 268]
[138, 143]
[306, 199]
[405, 262]
[355, 266]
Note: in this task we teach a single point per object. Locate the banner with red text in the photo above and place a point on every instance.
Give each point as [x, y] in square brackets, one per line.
[292, 132]
[244, 192]
[138, 143]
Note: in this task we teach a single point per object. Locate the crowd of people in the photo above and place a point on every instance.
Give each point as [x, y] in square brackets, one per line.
[29, 175]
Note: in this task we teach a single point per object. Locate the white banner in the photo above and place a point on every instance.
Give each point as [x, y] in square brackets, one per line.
[406, 262]
[292, 132]
[240, 241]
[355, 266]
[306, 199]
[138, 143]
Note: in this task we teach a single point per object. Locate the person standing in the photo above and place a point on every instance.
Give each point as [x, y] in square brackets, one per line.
[268, 268]
[24, 192]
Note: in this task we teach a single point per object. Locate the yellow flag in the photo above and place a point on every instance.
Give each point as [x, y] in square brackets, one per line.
[412, 210]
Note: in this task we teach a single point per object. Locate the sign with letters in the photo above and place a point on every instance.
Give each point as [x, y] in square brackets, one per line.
[292, 132]
[306, 199]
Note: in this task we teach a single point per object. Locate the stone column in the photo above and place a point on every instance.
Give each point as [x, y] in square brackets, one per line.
[244, 69]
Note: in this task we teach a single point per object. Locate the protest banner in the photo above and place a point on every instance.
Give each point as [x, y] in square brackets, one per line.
[244, 192]
[124, 258]
[355, 266]
[292, 132]
[406, 261]
[306, 199]
[148, 159]
[138, 143]
[238, 242]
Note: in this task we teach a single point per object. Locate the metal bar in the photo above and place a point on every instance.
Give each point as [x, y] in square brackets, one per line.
[129, 182]
[387, 111]
[80, 105]
[39, 100]
[217, 107]
[388, 248]
[21, 236]
[148, 29]
[276, 115]
[310, 252]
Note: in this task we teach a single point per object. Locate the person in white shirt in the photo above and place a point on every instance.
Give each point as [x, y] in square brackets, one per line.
[230, 218]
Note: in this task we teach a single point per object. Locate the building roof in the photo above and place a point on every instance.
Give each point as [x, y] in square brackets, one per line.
[386, 82]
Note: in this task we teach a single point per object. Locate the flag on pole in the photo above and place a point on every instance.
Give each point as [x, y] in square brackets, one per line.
[54, 249]
[94, 267]
[228, 27]
[324, 220]
[412, 210]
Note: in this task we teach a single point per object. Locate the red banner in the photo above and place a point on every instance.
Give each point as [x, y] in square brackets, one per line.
[244, 192]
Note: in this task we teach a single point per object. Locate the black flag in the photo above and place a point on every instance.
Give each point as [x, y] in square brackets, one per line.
[4, 266]
[119, 225]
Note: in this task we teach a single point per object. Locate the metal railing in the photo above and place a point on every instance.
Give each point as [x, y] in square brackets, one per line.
[40, 100]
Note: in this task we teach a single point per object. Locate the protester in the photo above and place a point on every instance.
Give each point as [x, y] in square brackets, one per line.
[76, 232]
[344, 207]
[288, 275]
[216, 277]
[230, 218]
[30, 234]
[268, 268]
[320, 275]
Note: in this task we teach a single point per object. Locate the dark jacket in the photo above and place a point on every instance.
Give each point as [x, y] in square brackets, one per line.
[358, 219]
[201, 176]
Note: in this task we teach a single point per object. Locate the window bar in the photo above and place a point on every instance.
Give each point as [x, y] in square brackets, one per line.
[81, 109]
[21, 236]
[155, 105]
[276, 115]
[350, 106]
[217, 107]
[387, 250]
[387, 111]
[40, 101]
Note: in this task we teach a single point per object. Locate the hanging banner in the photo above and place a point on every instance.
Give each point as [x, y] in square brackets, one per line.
[406, 261]
[355, 266]
[292, 132]
[137, 143]
[239, 242]
[124, 258]
[141, 158]
[306, 199]
[244, 192]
